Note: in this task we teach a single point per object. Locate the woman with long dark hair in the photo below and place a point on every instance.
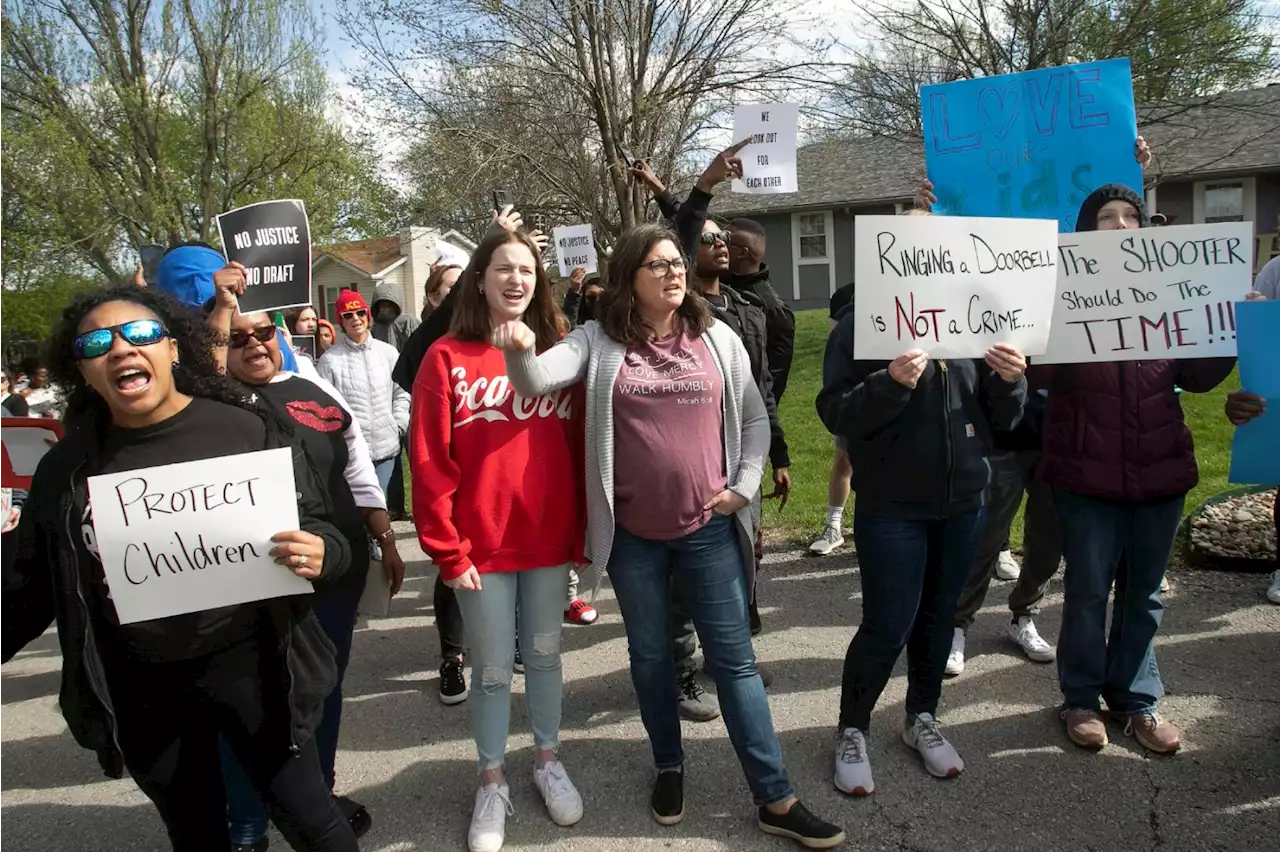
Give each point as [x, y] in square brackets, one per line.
[676, 438]
[154, 697]
[499, 506]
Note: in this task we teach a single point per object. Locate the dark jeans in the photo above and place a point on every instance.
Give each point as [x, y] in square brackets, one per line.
[912, 572]
[448, 620]
[1128, 543]
[395, 488]
[170, 718]
[335, 609]
[1011, 474]
[707, 568]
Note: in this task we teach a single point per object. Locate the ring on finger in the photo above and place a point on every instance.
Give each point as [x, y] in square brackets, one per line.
[302, 561]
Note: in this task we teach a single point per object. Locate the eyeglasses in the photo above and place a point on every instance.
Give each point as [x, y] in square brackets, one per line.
[664, 268]
[98, 342]
[262, 334]
[710, 239]
[350, 315]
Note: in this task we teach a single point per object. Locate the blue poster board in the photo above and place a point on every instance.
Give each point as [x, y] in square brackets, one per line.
[1030, 145]
[1255, 451]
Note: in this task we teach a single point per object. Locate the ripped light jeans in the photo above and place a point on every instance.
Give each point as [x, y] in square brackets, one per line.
[490, 616]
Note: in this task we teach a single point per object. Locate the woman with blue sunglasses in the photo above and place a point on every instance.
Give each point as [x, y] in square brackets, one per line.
[155, 696]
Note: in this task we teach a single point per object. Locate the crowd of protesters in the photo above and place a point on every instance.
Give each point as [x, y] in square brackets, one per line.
[647, 403]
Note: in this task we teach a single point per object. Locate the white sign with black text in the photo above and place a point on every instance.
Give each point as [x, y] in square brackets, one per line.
[1150, 294]
[195, 536]
[952, 286]
[575, 247]
[769, 162]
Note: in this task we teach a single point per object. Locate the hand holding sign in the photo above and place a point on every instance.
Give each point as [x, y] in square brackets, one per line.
[575, 246]
[908, 367]
[300, 552]
[229, 283]
[1007, 361]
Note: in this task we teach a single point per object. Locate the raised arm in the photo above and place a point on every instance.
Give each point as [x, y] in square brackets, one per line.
[532, 374]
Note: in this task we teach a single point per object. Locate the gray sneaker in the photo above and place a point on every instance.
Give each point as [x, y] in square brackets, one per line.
[853, 769]
[696, 704]
[940, 758]
[827, 542]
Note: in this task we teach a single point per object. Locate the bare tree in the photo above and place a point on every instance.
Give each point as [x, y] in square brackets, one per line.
[1179, 51]
[546, 93]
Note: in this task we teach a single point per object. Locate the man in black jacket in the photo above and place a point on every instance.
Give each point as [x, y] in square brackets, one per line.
[748, 273]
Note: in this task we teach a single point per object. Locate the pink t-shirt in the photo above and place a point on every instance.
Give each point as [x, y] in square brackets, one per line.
[668, 458]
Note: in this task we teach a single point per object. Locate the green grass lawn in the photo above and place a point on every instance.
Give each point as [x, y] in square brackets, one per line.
[811, 448]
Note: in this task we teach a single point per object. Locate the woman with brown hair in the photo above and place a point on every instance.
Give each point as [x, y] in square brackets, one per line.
[485, 461]
[676, 438]
[442, 279]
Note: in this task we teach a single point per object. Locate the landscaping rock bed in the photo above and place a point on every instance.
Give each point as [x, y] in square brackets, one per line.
[1235, 531]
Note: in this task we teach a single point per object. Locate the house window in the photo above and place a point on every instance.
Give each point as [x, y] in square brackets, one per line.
[813, 236]
[1224, 202]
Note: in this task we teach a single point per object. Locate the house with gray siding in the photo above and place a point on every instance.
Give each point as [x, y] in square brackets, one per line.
[1216, 160]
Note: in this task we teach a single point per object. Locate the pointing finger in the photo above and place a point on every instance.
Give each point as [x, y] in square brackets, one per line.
[739, 146]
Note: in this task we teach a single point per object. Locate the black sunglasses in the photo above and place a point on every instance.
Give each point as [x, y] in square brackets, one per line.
[709, 239]
[347, 315]
[98, 342]
[262, 334]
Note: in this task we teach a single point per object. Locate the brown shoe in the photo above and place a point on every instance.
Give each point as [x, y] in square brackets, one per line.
[1085, 728]
[1152, 732]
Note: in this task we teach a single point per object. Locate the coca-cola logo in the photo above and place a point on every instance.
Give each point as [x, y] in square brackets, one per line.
[492, 399]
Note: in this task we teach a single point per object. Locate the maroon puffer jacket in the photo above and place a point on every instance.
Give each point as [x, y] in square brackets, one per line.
[1114, 431]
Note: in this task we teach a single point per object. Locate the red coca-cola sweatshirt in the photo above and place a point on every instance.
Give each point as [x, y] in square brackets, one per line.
[498, 479]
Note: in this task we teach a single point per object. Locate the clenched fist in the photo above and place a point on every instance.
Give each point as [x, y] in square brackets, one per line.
[514, 336]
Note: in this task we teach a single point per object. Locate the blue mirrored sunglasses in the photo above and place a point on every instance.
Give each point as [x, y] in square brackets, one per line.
[96, 343]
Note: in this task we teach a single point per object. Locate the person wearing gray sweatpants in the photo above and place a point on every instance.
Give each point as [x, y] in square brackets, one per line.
[1013, 472]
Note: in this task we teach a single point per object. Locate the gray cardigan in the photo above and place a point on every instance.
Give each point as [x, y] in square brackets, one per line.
[588, 353]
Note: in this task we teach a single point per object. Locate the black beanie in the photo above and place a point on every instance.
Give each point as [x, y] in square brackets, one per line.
[1087, 220]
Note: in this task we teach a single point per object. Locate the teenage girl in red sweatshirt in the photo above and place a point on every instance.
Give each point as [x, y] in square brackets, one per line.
[499, 506]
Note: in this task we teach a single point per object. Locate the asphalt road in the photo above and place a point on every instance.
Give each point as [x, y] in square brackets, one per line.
[410, 759]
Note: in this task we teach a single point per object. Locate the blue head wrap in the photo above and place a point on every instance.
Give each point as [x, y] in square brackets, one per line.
[186, 273]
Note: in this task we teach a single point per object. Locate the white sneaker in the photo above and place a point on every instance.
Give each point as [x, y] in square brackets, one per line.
[1007, 566]
[853, 767]
[562, 798]
[955, 660]
[830, 539]
[1164, 585]
[1273, 592]
[1023, 632]
[489, 818]
[940, 757]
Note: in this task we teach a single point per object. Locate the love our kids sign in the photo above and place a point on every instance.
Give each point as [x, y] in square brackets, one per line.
[1030, 145]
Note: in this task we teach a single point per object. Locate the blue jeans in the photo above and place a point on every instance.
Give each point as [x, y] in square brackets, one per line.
[1129, 543]
[335, 609]
[490, 616]
[912, 572]
[383, 470]
[707, 569]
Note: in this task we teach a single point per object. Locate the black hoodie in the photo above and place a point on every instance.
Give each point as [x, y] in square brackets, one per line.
[917, 453]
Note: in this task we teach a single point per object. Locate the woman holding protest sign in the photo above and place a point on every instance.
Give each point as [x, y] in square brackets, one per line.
[1120, 461]
[918, 434]
[155, 696]
[656, 364]
[323, 422]
[485, 460]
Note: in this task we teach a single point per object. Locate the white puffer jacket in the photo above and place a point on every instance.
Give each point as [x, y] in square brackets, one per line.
[362, 374]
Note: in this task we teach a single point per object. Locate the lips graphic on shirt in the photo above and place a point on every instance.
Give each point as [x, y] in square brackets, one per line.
[311, 414]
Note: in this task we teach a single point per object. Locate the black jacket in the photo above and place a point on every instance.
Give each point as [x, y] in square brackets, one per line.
[922, 452]
[780, 325]
[746, 316]
[48, 582]
[415, 348]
